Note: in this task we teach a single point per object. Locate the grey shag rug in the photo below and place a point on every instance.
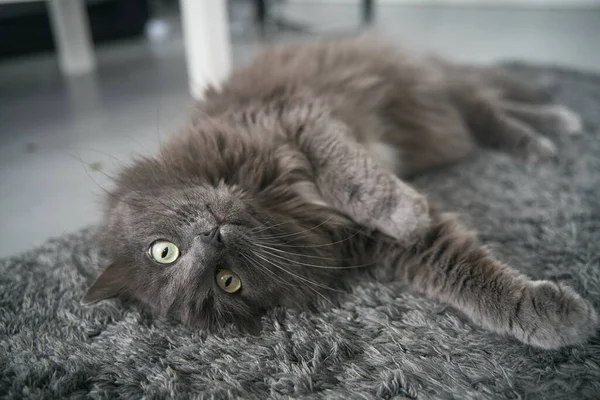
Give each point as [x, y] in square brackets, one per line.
[383, 342]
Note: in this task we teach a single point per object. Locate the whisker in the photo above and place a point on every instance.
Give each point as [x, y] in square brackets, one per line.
[317, 266]
[260, 244]
[305, 284]
[108, 192]
[297, 276]
[295, 233]
[316, 245]
[77, 148]
[253, 262]
[265, 227]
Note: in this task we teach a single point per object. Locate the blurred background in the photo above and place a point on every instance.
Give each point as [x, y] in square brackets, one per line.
[87, 85]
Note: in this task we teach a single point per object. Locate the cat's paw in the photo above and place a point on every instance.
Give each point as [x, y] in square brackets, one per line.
[551, 316]
[567, 121]
[405, 221]
[540, 149]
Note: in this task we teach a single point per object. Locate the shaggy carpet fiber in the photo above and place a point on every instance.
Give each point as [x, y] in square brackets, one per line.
[382, 342]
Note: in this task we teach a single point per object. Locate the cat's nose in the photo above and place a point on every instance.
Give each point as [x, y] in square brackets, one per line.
[213, 237]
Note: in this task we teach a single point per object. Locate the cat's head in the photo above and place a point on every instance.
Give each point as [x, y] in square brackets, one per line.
[218, 229]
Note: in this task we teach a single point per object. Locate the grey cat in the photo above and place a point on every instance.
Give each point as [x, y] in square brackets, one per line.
[284, 188]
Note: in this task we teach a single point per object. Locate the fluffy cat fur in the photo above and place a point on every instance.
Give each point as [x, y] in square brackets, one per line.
[297, 159]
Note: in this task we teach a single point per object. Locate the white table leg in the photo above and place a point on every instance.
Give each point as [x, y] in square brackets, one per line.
[207, 42]
[71, 31]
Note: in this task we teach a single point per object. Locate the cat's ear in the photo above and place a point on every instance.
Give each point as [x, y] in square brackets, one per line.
[108, 285]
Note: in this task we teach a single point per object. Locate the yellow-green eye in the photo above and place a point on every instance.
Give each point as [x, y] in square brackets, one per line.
[164, 252]
[228, 281]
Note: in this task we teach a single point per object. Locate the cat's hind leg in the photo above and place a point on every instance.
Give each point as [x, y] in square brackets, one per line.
[504, 113]
[531, 102]
[547, 118]
[494, 125]
[512, 88]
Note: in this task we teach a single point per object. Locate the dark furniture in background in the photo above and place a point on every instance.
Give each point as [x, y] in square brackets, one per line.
[25, 27]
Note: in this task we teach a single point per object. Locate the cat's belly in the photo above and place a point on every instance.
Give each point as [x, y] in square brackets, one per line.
[386, 155]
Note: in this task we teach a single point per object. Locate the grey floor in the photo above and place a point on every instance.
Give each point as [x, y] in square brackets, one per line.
[62, 138]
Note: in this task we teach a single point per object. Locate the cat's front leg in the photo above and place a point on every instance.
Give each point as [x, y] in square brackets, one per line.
[449, 264]
[350, 180]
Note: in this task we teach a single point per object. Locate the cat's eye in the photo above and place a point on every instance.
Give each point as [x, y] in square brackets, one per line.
[228, 281]
[164, 252]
